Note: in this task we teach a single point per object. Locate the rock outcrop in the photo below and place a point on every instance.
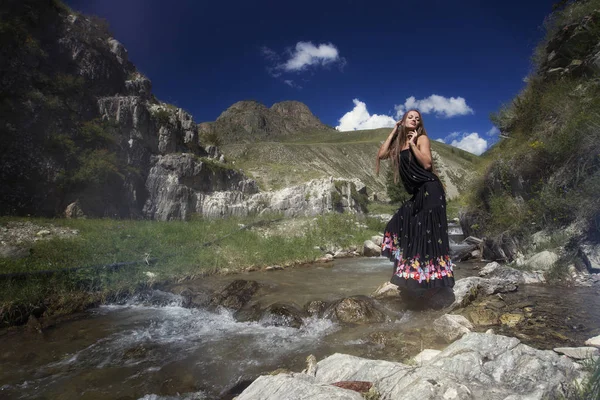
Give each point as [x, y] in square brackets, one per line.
[478, 366]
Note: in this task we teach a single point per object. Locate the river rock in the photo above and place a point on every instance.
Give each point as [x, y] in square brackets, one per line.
[512, 275]
[595, 341]
[370, 249]
[236, 294]
[579, 353]
[280, 314]
[378, 240]
[468, 289]
[355, 310]
[387, 289]
[426, 356]
[450, 326]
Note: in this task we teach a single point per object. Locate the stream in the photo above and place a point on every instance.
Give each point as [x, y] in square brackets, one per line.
[161, 350]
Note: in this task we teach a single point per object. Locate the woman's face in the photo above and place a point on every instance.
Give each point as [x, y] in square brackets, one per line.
[413, 120]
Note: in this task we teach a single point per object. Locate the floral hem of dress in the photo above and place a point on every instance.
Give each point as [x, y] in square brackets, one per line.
[421, 269]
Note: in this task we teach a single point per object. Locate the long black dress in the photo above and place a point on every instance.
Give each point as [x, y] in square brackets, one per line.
[416, 238]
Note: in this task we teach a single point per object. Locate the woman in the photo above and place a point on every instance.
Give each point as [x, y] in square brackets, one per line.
[416, 238]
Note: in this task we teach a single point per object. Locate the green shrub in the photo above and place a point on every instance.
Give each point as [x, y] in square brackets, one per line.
[162, 116]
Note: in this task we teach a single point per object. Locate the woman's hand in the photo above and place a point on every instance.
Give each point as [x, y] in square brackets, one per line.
[412, 137]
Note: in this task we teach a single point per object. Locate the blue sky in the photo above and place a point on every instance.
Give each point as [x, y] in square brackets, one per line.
[356, 64]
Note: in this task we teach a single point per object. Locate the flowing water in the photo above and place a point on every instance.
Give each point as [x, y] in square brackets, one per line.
[142, 350]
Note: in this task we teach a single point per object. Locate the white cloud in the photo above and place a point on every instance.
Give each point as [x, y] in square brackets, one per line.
[307, 54]
[441, 140]
[303, 57]
[440, 105]
[452, 136]
[359, 118]
[291, 83]
[472, 143]
[493, 132]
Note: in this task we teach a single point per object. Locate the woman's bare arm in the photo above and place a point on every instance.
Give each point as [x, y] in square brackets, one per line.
[384, 150]
[422, 151]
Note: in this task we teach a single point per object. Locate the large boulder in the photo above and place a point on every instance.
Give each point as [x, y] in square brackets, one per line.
[370, 249]
[542, 261]
[468, 289]
[478, 366]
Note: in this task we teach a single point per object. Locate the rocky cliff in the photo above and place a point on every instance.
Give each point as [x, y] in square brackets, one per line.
[83, 132]
[248, 121]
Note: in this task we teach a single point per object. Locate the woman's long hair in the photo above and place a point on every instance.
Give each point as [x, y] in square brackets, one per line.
[400, 141]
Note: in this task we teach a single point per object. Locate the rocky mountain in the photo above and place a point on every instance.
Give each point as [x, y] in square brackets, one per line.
[247, 121]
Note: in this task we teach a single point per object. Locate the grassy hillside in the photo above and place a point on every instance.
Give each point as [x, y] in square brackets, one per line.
[298, 159]
[545, 173]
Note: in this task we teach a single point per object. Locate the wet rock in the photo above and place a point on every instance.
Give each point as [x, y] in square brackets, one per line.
[386, 290]
[450, 327]
[315, 307]
[158, 298]
[484, 317]
[274, 268]
[294, 387]
[370, 249]
[511, 319]
[280, 314]
[250, 312]
[426, 356]
[236, 294]
[579, 353]
[356, 310]
[595, 341]
[192, 299]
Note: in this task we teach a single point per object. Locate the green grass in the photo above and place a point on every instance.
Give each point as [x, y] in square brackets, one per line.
[178, 247]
